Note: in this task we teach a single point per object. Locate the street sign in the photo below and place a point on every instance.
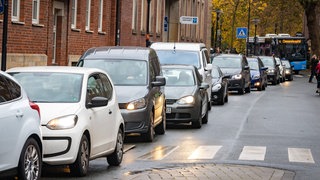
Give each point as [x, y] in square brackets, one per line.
[1, 6]
[188, 20]
[242, 32]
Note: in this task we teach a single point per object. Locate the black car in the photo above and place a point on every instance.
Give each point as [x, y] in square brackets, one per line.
[186, 97]
[136, 74]
[288, 69]
[219, 91]
[273, 69]
[258, 72]
[236, 66]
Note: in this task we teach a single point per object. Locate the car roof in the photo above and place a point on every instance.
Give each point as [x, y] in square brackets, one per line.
[62, 69]
[118, 52]
[229, 55]
[181, 66]
[177, 46]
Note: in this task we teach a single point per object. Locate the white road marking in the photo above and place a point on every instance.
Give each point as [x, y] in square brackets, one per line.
[302, 155]
[204, 152]
[253, 153]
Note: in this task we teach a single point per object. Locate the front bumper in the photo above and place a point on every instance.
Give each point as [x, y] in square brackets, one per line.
[182, 113]
[136, 121]
[235, 84]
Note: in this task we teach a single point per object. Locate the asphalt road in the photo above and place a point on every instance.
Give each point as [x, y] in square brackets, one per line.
[271, 133]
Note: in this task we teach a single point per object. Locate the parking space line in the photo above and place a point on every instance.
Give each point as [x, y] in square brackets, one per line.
[253, 153]
[302, 155]
[204, 152]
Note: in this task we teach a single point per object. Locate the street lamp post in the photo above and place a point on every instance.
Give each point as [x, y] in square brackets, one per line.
[218, 11]
[255, 21]
[147, 28]
[248, 35]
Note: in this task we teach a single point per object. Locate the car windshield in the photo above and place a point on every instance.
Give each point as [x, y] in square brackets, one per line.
[253, 65]
[178, 77]
[123, 72]
[268, 62]
[179, 57]
[286, 63]
[51, 87]
[227, 62]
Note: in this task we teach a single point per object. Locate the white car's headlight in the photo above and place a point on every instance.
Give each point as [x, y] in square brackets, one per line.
[64, 122]
[216, 87]
[186, 100]
[257, 76]
[137, 104]
[237, 76]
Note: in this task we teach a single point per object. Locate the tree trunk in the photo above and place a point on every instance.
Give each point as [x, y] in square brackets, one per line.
[234, 21]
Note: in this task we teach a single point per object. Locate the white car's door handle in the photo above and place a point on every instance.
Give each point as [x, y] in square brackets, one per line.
[110, 112]
[19, 114]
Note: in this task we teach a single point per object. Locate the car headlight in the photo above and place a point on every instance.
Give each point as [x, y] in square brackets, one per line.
[271, 71]
[287, 71]
[216, 87]
[64, 122]
[237, 76]
[137, 104]
[186, 100]
[257, 76]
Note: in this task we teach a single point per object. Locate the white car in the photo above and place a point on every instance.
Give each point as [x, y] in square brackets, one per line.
[80, 116]
[20, 134]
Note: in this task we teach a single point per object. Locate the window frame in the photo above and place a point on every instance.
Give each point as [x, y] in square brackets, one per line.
[15, 17]
[88, 15]
[35, 20]
[74, 8]
[100, 16]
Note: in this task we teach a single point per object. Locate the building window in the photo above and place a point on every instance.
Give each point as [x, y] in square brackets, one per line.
[74, 14]
[35, 11]
[143, 15]
[15, 10]
[88, 9]
[100, 16]
[151, 13]
[159, 17]
[134, 15]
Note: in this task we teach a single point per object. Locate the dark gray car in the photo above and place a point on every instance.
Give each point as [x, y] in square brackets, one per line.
[236, 66]
[273, 72]
[186, 97]
[136, 74]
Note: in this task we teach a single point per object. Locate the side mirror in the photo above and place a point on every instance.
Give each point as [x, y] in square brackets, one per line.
[208, 67]
[246, 67]
[204, 86]
[264, 68]
[98, 102]
[277, 65]
[160, 81]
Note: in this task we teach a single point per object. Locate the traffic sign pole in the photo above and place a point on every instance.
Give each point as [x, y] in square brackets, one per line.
[4, 35]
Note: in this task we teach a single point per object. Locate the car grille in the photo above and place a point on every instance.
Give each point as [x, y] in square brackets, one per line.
[171, 101]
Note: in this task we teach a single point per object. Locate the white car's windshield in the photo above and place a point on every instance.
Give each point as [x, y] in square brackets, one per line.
[122, 72]
[179, 57]
[51, 87]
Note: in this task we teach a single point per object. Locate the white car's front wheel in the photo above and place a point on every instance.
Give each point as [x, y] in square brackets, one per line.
[81, 165]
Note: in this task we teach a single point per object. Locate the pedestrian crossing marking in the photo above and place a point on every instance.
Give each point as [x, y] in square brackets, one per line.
[253, 153]
[205, 152]
[159, 152]
[300, 155]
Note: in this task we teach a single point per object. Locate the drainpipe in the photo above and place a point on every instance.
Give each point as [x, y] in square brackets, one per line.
[118, 23]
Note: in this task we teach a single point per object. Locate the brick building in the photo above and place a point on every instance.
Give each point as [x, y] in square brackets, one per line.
[57, 32]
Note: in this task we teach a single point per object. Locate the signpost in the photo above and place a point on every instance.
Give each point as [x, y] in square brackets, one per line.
[242, 32]
[189, 20]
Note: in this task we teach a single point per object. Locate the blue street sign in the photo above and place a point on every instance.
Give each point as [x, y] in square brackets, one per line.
[1, 6]
[165, 24]
[242, 32]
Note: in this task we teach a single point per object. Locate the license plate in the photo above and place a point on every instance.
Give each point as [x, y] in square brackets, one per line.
[168, 110]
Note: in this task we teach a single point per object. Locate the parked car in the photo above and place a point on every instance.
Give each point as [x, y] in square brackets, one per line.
[288, 69]
[281, 70]
[219, 89]
[80, 116]
[258, 73]
[137, 75]
[236, 66]
[189, 54]
[186, 96]
[273, 72]
[21, 144]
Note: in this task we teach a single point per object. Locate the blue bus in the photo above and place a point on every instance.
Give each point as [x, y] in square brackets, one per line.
[292, 48]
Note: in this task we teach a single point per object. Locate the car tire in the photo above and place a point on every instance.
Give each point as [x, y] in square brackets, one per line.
[198, 123]
[80, 166]
[241, 91]
[226, 99]
[209, 104]
[149, 135]
[30, 161]
[115, 158]
[248, 89]
[274, 82]
[161, 128]
[205, 118]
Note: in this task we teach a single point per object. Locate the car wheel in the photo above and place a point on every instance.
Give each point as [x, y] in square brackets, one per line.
[263, 87]
[221, 100]
[30, 161]
[241, 91]
[161, 128]
[198, 123]
[81, 165]
[209, 104]
[274, 82]
[248, 89]
[149, 136]
[115, 158]
[226, 98]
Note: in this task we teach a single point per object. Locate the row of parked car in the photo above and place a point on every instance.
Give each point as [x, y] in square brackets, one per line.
[71, 115]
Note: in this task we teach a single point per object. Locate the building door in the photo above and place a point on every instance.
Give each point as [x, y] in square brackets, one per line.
[59, 49]
[172, 12]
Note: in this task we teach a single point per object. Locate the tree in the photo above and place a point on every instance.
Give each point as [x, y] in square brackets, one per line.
[310, 7]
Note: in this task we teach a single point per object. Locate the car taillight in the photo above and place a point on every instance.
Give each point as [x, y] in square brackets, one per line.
[35, 107]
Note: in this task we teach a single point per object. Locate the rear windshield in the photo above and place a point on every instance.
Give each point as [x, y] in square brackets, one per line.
[122, 72]
[179, 57]
[227, 62]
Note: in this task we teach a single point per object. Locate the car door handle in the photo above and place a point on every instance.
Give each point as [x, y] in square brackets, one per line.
[19, 114]
[110, 112]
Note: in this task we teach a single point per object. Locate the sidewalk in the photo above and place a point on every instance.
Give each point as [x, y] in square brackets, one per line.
[212, 172]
